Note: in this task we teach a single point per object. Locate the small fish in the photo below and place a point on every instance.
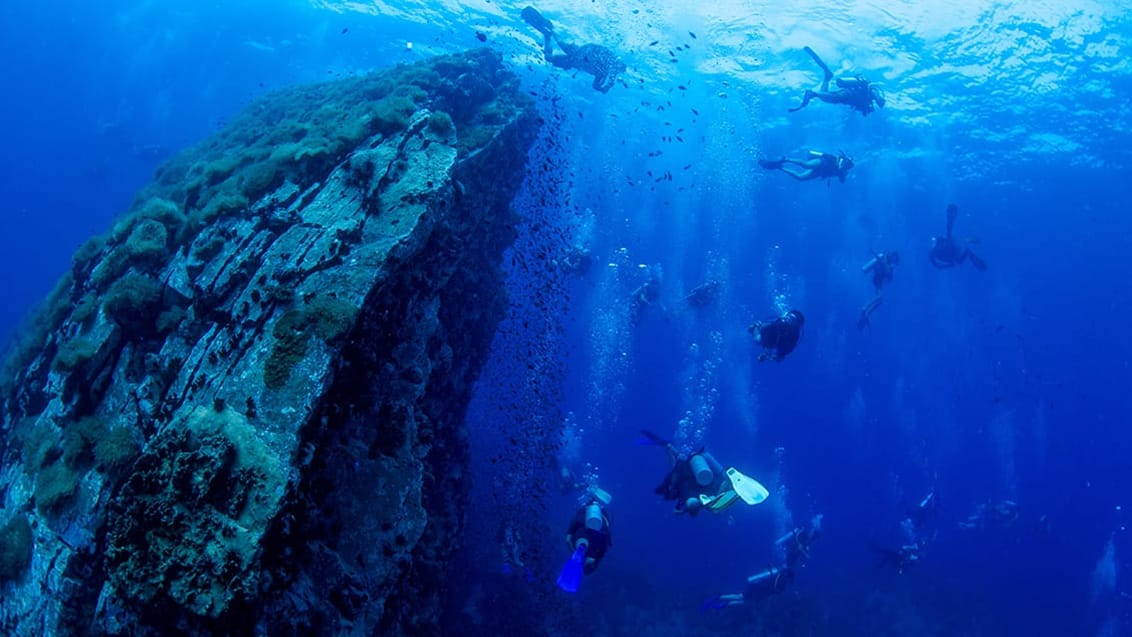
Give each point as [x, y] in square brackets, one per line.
[671, 53]
[654, 42]
[687, 167]
[692, 34]
[481, 36]
[695, 112]
[680, 139]
[682, 87]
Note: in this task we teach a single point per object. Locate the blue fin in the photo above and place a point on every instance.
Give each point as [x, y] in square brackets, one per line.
[571, 576]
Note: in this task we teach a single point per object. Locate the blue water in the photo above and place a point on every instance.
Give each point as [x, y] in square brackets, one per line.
[1006, 384]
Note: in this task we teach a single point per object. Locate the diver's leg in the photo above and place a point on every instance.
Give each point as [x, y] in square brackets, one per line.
[801, 175]
[827, 74]
[976, 261]
[532, 17]
[809, 95]
[561, 61]
[808, 164]
[867, 311]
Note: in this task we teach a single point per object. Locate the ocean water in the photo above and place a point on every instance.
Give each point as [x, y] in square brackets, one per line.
[1009, 384]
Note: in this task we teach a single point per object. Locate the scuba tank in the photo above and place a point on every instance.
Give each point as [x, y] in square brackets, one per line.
[852, 83]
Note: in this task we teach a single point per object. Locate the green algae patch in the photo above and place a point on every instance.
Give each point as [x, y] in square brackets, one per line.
[133, 302]
[148, 244]
[324, 316]
[74, 354]
[55, 486]
[15, 548]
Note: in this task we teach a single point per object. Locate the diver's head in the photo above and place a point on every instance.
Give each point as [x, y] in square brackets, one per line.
[845, 162]
[893, 258]
[795, 316]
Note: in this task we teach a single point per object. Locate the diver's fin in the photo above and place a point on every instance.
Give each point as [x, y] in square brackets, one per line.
[824, 68]
[771, 164]
[714, 603]
[976, 261]
[571, 576]
[747, 487]
[653, 439]
[719, 503]
[952, 213]
[532, 17]
[863, 321]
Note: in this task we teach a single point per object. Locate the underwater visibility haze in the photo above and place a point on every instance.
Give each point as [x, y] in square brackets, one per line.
[604, 318]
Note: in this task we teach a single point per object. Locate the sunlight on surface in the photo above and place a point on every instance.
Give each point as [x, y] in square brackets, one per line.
[1025, 59]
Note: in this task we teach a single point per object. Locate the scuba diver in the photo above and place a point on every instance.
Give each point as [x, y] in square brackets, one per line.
[917, 523]
[855, 92]
[989, 514]
[798, 541]
[881, 265]
[947, 253]
[589, 537]
[900, 559]
[923, 511]
[816, 165]
[645, 295]
[778, 336]
[594, 59]
[775, 579]
[704, 294]
[915, 527]
[697, 481]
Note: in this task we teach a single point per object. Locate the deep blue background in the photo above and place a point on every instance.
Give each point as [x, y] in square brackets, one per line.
[1010, 383]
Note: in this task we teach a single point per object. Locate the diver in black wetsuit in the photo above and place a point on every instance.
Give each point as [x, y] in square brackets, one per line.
[901, 559]
[996, 514]
[816, 165]
[594, 59]
[590, 528]
[778, 336]
[946, 251]
[855, 92]
[881, 265]
[775, 579]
